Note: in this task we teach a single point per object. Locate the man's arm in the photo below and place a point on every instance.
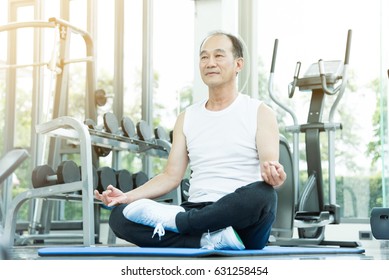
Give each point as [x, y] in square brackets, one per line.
[174, 171]
[161, 184]
[267, 139]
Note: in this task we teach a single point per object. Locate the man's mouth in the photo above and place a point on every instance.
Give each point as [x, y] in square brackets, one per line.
[211, 73]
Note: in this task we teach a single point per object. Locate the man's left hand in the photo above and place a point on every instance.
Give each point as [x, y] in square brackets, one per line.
[273, 173]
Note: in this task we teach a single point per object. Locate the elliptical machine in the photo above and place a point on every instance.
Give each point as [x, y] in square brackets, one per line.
[311, 213]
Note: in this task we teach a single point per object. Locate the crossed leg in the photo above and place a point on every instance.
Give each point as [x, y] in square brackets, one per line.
[250, 210]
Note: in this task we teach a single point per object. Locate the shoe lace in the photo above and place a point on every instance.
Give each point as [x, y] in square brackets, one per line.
[209, 245]
[159, 229]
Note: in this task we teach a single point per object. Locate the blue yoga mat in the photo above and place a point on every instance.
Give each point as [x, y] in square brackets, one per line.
[188, 252]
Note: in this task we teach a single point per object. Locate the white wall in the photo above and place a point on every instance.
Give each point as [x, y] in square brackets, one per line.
[211, 15]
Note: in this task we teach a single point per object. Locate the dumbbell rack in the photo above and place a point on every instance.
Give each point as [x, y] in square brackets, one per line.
[71, 129]
[119, 142]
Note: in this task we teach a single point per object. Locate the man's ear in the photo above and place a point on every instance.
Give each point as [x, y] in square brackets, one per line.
[239, 64]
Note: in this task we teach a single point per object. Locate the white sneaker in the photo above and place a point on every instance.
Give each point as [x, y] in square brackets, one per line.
[224, 239]
[154, 214]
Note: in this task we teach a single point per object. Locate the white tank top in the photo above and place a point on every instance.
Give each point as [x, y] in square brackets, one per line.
[221, 148]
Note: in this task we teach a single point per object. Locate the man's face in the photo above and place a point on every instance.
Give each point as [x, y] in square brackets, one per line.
[217, 63]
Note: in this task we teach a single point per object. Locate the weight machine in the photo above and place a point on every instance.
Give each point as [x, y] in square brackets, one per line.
[58, 64]
[310, 213]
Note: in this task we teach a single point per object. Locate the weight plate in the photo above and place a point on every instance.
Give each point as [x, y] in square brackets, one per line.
[68, 172]
[106, 177]
[185, 189]
[124, 180]
[160, 133]
[128, 127]
[100, 97]
[111, 123]
[102, 151]
[90, 123]
[171, 136]
[143, 130]
[139, 179]
[40, 174]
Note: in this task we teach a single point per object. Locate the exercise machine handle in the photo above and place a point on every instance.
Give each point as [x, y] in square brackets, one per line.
[270, 86]
[322, 72]
[292, 85]
[344, 77]
[273, 61]
[348, 47]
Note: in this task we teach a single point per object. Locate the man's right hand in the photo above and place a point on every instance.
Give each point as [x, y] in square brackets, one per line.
[111, 196]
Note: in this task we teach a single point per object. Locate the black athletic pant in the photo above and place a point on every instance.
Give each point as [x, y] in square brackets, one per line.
[250, 210]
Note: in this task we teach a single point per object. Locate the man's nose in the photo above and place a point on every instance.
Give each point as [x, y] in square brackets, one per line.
[211, 62]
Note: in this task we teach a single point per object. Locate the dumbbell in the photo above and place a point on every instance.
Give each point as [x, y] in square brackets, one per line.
[100, 97]
[128, 128]
[101, 151]
[185, 185]
[44, 175]
[144, 132]
[111, 124]
[124, 180]
[139, 179]
[92, 125]
[106, 176]
[171, 136]
[161, 133]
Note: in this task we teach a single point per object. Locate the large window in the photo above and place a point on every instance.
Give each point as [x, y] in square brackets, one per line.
[173, 62]
[173, 53]
[313, 30]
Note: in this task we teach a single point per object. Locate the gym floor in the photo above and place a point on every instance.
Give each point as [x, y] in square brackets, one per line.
[374, 249]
